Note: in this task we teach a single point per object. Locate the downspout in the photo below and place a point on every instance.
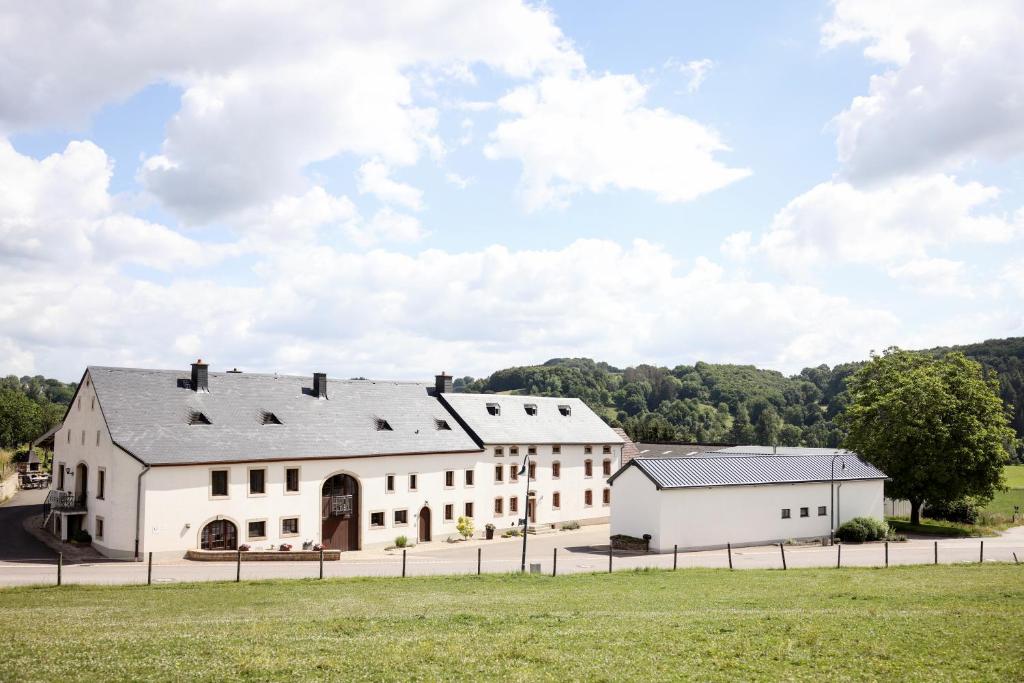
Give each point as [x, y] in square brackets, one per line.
[138, 508]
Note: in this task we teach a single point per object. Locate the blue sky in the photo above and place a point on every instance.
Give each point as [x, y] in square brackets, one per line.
[389, 191]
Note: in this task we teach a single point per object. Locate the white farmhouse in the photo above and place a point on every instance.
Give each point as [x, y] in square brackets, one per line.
[711, 499]
[165, 461]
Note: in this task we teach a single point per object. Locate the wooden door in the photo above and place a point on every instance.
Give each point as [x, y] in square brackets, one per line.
[424, 525]
[340, 513]
[219, 535]
[531, 510]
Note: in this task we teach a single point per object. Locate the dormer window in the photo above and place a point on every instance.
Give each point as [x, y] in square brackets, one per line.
[268, 418]
[531, 408]
[493, 409]
[565, 411]
[382, 425]
[442, 425]
[198, 418]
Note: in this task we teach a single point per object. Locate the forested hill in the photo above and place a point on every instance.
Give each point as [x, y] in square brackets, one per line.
[709, 402]
[29, 406]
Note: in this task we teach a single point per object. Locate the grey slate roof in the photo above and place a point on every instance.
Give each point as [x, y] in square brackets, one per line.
[780, 450]
[746, 470]
[147, 413]
[515, 426]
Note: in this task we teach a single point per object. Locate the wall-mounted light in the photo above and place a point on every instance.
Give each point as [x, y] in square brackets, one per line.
[67, 470]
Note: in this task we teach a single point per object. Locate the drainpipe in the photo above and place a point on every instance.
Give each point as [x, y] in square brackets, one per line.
[138, 509]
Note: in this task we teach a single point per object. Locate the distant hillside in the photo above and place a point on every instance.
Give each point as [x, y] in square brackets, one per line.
[708, 402]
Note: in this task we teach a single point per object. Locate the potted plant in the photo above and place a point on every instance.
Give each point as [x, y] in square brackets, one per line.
[285, 547]
[244, 548]
[489, 531]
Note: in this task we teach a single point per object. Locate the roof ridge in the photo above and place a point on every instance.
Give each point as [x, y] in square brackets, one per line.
[252, 375]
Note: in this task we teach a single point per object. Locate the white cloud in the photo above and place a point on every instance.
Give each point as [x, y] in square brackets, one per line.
[57, 212]
[696, 70]
[593, 133]
[374, 178]
[459, 181]
[387, 314]
[888, 225]
[294, 218]
[934, 276]
[386, 225]
[954, 89]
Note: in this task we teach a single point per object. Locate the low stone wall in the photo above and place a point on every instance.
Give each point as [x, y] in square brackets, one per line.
[262, 555]
[8, 487]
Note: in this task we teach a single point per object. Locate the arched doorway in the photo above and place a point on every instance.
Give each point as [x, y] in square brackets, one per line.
[81, 483]
[340, 513]
[424, 536]
[220, 534]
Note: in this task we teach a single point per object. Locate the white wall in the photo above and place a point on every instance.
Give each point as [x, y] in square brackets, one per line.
[741, 515]
[178, 502]
[117, 508]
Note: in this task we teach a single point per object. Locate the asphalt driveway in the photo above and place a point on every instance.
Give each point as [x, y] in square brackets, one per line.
[16, 544]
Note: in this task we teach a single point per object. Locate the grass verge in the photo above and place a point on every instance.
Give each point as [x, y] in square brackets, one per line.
[916, 623]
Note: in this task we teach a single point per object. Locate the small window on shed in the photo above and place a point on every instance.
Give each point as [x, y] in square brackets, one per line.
[493, 409]
[383, 426]
[268, 418]
[785, 513]
[804, 512]
[442, 424]
[198, 418]
[822, 511]
[565, 411]
[531, 408]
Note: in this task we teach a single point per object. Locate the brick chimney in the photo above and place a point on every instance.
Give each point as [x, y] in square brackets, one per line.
[442, 383]
[320, 384]
[200, 377]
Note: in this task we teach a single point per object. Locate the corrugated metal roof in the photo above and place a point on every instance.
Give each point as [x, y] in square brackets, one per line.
[780, 450]
[746, 470]
[514, 425]
[148, 415]
[672, 450]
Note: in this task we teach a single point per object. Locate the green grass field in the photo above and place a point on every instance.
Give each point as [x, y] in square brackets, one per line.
[908, 623]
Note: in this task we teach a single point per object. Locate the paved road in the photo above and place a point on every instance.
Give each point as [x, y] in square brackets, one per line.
[576, 553]
[15, 544]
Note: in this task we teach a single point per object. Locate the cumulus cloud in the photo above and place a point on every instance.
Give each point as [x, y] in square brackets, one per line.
[953, 88]
[887, 225]
[57, 212]
[696, 70]
[934, 276]
[374, 178]
[386, 225]
[591, 133]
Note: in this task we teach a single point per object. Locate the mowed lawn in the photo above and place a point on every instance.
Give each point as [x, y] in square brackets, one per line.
[1002, 503]
[908, 623]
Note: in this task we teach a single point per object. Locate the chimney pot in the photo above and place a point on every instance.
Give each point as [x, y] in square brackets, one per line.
[200, 377]
[442, 383]
[320, 384]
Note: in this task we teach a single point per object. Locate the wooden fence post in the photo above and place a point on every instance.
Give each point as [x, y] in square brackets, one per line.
[554, 563]
[609, 558]
[981, 553]
[782, 549]
[60, 567]
[321, 562]
[936, 552]
[675, 556]
[479, 559]
[403, 563]
[887, 553]
[238, 567]
[839, 555]
[728, 547]
[149, 570]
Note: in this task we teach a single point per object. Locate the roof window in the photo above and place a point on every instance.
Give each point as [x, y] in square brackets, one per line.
[383, 426]
[565, 411]
[531, 408]
[198, 418]
[493, 409]
[442, 424]
[269, 418]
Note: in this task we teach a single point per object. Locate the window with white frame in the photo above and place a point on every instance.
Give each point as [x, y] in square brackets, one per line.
[257, 481]
[289, 526]
[257, 529]
[219, 483]
[400, 517]
[377, 519]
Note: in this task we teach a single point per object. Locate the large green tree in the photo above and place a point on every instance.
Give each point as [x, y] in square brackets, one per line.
[936, 426]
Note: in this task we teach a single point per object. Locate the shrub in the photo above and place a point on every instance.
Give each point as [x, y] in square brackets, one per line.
[465, 527]
[82, 536]
[861, 529]
[963, 511]
[570, 525]
[401, 541]
[510, 533]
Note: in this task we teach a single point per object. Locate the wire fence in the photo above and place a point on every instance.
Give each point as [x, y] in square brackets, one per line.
[554, 561]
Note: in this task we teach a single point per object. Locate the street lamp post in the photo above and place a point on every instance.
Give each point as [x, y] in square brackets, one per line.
[526, 506]
[832, 501]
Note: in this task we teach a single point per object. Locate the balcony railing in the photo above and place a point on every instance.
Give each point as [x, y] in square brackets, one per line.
[63, 500]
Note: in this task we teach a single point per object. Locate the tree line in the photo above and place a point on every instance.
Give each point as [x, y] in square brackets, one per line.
[740, 404]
